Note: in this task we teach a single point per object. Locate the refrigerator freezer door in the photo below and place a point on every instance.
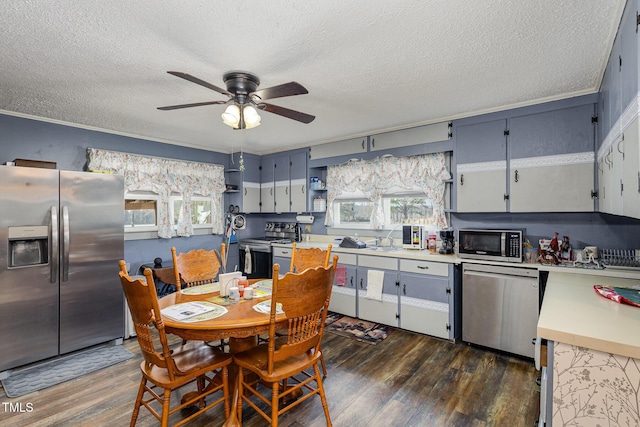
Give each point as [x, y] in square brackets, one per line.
[92, 243]
[28, 294]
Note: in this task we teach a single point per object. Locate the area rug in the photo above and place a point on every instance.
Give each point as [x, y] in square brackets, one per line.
[357, 329]
[46, 374]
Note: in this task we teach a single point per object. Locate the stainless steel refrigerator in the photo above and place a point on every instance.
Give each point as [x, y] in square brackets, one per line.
[61, 236]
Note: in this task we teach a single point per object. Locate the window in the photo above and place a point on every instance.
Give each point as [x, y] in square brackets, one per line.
[414, 209]
[391, 190]
[153, 182]
[352, 210]
[141, 211]
[200, 211]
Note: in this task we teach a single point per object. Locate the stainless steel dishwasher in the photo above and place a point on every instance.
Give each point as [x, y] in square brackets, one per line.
[500, 307]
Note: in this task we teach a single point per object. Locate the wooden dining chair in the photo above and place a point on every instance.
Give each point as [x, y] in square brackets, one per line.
[171, 369]
[303, 258]
[197, 267]
[284, 361]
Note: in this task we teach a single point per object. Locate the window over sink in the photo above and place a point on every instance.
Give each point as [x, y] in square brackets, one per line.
[388, 191]
[353, 210]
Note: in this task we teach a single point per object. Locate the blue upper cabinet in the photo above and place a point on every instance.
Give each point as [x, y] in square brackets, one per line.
[552, 133]
[628, 46]
[284, 182]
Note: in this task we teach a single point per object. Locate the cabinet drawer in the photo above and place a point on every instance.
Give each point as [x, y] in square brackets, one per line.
[281, 252]
[424, 267]
[347, 259]
[378, 262]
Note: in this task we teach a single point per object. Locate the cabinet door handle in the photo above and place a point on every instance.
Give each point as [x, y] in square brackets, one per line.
[461, 179]
[302, 189]
[363, 144]
[245, 191]
[271, 191]
[404, 289]
[351, 281]
[286, 190]
[638, 182]
[423, 267]
[516, 175]
[373, 142]
[361, 287]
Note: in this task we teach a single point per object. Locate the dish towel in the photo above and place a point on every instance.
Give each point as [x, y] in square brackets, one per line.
[341, 275]
[247, 261]
[375, 279]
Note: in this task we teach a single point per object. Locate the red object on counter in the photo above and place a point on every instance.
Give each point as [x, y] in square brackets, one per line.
[611, 294]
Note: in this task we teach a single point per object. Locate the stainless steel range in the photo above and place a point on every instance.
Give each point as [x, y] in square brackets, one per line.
[259, 260]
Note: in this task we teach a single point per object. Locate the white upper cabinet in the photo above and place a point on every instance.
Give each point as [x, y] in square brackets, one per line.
[339, 148]
[407, 137]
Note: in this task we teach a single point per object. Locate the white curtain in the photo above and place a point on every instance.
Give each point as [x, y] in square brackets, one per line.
[376, 177]
[164, 177]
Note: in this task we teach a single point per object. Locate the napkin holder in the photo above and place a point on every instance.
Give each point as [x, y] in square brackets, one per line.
[227, 280]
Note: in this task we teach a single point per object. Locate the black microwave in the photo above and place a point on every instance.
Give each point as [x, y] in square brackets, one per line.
[492, 245]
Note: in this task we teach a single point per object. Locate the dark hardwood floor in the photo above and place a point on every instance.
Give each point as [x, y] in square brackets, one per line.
[406, 380]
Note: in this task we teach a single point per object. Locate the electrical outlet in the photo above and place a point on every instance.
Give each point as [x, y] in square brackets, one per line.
[307, 228]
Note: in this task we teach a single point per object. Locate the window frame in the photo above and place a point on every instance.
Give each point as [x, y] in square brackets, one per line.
[358, 196]
[142, 195]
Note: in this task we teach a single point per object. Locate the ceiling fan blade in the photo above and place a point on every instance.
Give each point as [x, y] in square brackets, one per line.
[286, 89]
[196, 104]
[285, 112]
[196, 80]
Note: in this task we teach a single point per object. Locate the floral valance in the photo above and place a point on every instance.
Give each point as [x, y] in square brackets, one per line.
[164, 177]
[376, 178]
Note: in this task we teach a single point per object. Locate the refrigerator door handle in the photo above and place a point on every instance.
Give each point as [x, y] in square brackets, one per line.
[65, 243]
[53, 256]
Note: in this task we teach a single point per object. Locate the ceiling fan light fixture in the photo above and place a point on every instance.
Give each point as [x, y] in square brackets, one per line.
[251, 117]
[231, 116]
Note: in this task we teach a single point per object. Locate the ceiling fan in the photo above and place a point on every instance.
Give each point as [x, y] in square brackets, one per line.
[245, 99]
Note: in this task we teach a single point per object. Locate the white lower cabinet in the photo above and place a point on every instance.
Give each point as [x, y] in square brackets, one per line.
[418, 296]
[426, 297]
[385, 310]
[344, 294]
[282, 256]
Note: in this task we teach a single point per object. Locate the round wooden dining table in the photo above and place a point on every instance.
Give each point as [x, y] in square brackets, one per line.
[241, 325]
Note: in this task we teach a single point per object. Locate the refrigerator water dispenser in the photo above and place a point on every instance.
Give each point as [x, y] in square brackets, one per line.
[28, 246]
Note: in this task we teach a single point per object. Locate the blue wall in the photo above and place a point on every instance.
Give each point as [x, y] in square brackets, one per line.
[22, 138]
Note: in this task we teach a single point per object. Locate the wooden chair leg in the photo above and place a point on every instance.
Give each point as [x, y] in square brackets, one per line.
[323, 398]
[324, 367]
[136, 408]
[166, 406]
[275, 399]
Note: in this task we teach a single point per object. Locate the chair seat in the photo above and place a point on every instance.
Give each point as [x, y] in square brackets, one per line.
[255, 360]
[193, 359]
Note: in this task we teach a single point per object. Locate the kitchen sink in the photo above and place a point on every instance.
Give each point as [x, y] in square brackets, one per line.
[381, 249]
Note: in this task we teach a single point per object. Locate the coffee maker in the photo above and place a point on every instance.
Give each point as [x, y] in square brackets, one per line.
[447, 238]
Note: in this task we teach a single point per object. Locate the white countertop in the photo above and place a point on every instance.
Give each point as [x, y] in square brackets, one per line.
[423, 255]
[321, 241]
[573, 313]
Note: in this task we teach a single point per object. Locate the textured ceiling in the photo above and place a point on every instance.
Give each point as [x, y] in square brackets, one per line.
[369, 65]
